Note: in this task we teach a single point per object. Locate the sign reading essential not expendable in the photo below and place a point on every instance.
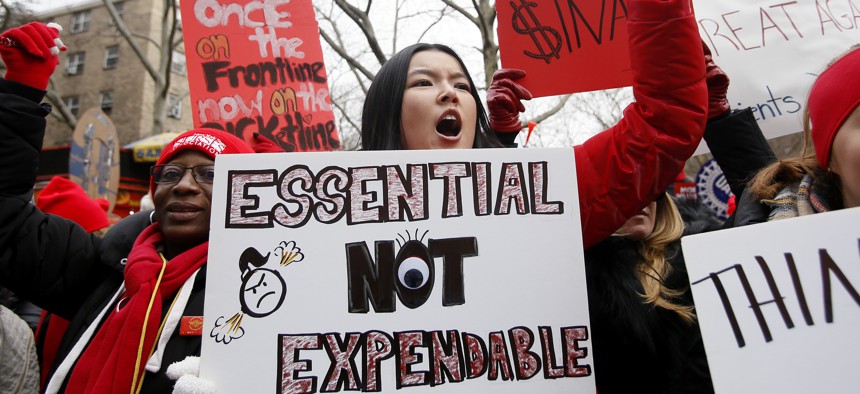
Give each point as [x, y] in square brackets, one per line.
[257, 67]
[456, 271]
[778, 303]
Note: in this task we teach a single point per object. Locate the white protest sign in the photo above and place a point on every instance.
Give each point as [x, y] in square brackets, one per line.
[778, 304]
[773, 50]
[454, 270]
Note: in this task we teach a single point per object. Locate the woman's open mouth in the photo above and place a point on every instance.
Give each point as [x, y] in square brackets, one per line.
[449, 124]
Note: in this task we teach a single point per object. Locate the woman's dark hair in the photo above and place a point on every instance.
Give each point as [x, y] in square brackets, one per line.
[381, 117]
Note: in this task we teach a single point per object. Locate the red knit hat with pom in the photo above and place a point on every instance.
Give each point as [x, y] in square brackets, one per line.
[67, 199]
[210, 142]
[833, 97]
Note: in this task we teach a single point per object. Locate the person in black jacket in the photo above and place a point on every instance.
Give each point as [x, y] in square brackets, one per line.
[124, 305]
[645, 335]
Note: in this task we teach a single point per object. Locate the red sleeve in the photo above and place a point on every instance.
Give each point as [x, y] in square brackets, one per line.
[624, 168]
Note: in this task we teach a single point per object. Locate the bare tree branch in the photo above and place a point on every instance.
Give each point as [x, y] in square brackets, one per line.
[462, 11]
[61, 110]
[123, 30]
[362, 19]
[342, 53]
[6, 12]
[442, 14]
[552, 111]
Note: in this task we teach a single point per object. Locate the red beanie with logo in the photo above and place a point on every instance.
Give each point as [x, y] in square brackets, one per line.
[210, 142]
[833, 97]
[67, 199]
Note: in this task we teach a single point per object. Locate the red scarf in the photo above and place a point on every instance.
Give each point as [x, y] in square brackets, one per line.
[107, 364]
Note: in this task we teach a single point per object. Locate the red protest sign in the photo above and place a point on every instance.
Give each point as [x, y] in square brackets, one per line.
[565, 46]
[257, 66]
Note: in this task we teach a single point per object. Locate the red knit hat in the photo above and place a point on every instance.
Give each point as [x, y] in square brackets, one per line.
[833, 97]
[210, 142]
[67, 199]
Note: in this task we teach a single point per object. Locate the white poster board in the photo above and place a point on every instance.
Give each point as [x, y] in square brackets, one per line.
[773, 50]
[473, 259]
[778, 304]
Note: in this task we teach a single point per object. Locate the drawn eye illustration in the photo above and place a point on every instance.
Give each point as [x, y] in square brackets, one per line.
[413, 272]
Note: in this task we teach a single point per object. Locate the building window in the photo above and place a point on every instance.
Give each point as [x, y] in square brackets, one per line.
[174, 107]
[80, 21]
[106, 101]
[111, 57]
[120, 8]
[177, 64]
[75, 63]
[73, 103]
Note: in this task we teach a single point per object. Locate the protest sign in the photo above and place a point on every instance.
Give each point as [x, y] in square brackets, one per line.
[257, 67]
[94, 156]
[778, 303]
[565, 46]
[773, 50]
[454, 270]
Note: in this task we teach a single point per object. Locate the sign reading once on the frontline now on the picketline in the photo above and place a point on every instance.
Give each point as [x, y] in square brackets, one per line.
[456, 271]
[257, 67]
[778, 303]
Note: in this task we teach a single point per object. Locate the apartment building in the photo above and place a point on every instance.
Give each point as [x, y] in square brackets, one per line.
[101, 70]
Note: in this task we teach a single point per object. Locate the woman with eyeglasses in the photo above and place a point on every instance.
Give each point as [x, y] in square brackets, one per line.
[126, 309]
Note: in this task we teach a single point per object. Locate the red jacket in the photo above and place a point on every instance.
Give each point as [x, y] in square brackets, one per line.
[624, 168]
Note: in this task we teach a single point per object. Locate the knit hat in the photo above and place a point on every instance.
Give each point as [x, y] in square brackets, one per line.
[210, 142]
[833, 97]
[67, 199]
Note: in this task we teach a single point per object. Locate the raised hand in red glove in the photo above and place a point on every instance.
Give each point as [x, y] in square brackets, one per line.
[504, 101]
[718, 84]
[30, 53]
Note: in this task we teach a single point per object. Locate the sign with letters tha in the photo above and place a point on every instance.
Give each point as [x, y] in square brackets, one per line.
[458, 271]
[778, 303]
[256, 66]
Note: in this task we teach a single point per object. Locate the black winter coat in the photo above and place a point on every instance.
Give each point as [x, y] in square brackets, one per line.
[637, 347]
[52, 261]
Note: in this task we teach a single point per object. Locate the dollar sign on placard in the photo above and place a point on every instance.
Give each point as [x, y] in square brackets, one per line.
[547, 39]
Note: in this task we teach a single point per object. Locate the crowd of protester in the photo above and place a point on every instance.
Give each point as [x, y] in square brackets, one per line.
[112, 302]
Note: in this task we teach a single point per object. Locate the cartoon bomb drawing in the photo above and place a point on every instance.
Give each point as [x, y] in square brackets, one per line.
[263, 289]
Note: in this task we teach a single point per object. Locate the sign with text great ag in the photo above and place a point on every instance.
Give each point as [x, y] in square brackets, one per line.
[777, 297]
[454, 270]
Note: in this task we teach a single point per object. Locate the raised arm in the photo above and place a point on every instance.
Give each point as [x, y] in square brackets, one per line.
[627, 166]
[45, 259]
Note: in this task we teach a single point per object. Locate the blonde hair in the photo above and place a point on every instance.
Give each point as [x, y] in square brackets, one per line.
[668, 228]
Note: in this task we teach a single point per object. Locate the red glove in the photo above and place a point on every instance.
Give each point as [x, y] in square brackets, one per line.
[504, 100]
[30, 53]
[718, 85]
[262, 144]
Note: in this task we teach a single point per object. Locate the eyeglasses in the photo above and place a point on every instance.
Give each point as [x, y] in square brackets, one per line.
[172, 173]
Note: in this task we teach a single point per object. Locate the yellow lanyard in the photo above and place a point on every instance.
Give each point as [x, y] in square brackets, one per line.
[134, 382]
